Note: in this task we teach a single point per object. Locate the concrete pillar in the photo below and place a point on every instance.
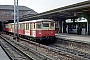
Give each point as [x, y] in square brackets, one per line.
[62, 26]
[73, 22]
[88, 27]
[87, 16]
[58, 26]
[88, 24]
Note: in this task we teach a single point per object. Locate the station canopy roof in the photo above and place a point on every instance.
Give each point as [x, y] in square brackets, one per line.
[65, 12]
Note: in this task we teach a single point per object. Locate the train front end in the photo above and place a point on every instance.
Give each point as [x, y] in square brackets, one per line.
[45, 30]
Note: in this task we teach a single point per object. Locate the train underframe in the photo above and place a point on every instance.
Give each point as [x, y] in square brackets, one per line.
[46, 39]
[43, 39]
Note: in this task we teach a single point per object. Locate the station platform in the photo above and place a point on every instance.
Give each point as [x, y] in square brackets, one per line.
[74, 37]
[3, 55]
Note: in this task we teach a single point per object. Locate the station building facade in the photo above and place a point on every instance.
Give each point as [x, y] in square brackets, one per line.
[6, 13]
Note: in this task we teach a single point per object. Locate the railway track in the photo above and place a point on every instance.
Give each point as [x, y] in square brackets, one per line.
[19, 51]
[75, 48]
[51, 53]
[12, 52]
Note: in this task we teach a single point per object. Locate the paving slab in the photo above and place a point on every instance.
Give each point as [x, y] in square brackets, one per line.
[3, 55]
[74, 37]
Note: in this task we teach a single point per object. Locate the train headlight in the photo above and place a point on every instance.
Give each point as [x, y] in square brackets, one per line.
[40, 32]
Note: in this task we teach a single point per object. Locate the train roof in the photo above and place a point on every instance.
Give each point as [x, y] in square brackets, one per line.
[39, 20]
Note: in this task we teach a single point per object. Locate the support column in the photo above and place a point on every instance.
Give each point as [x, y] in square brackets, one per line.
[89, 27]
[87, 16]
[16, 19]
[73, 22]
[62, 26]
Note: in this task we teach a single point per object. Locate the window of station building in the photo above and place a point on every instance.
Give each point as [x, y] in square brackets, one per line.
[38, 25]
[9, 12]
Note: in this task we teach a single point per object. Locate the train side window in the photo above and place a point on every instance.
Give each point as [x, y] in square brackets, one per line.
[11, 26]
[34, 25]
[27, 26]
[6, 25]
[31, 25]
[19, 26]
[23, 26]
[38, 25]
[45, 24]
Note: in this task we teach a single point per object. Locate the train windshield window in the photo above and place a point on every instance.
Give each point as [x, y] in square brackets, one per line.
[38, 25]
[45, 24]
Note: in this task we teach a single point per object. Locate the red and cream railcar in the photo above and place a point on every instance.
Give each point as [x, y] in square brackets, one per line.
[39, 29]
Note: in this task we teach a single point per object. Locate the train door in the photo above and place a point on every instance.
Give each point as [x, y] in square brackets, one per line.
[38, 29]
[52, 28]
[21, 28]
[11, 28]
[33, 30]
[45, 27]
[27, 29]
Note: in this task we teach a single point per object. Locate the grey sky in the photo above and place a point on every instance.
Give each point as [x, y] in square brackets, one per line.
[42, 5]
